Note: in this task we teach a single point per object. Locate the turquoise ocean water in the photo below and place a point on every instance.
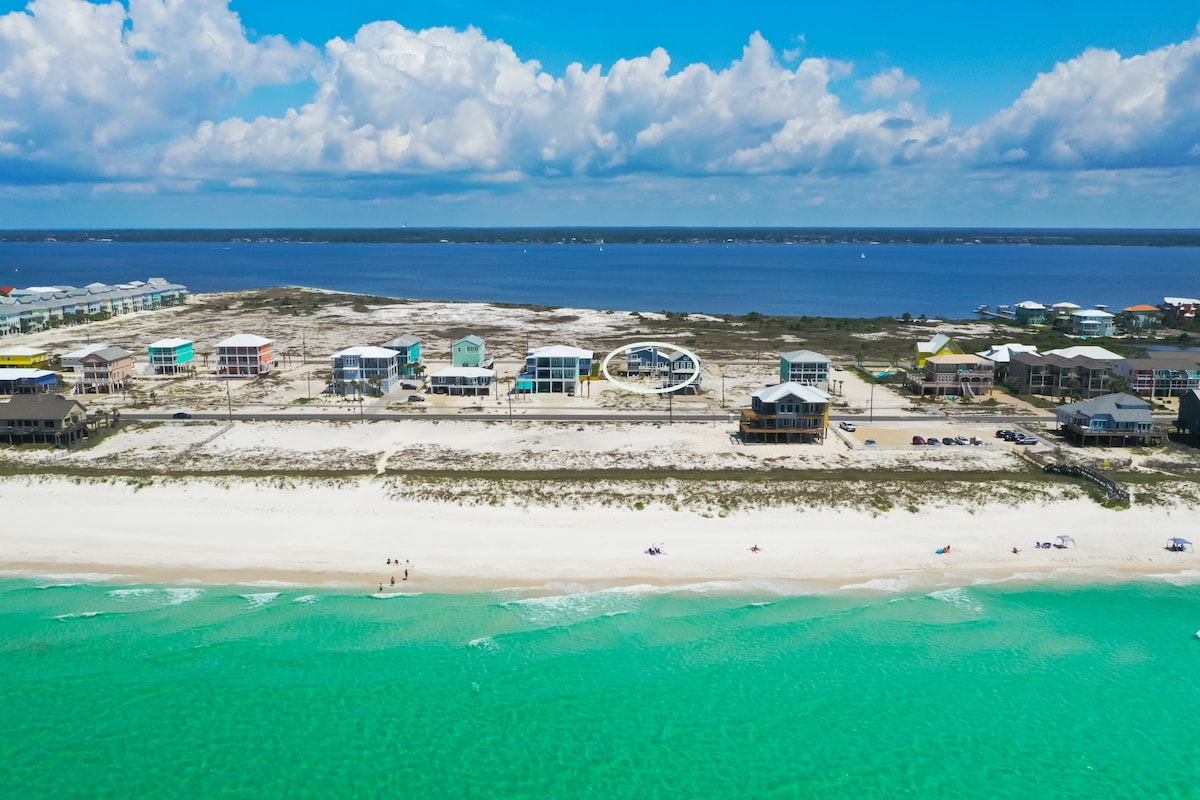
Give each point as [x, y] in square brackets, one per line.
[1014, 689]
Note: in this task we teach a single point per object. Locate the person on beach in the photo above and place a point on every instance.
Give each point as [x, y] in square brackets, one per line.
[389, 561]
[405, 576]
[1015, 551]
[755, 549]
[381, 587]
[393, 580]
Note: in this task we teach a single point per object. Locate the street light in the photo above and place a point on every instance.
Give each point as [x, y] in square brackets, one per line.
[872, 418]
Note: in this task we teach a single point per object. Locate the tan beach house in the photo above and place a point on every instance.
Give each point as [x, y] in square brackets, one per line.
[245, 356]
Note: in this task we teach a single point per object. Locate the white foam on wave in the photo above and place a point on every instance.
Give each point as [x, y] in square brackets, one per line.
[559, 608]
[261, 599]
[887, 585]
[958, 597]
[266, 584]
[390, 595]
[178, 595]
[80, 615]
[121, 595]
[484, 643]
[306, 599]
[1187, 577]
[63, 580]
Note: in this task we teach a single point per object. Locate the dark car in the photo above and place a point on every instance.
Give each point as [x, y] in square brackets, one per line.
[948, 440]
[409, 386]
[1003, 434]
[416, 398]
[933, 440]
[181, 415]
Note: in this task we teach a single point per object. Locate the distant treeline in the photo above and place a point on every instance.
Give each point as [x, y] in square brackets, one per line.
[949, 236]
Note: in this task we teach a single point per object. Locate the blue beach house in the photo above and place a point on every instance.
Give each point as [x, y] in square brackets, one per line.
[554, 369]
[365, 370]
[805, 368]
[470, 351]
[646, 360]
[409, 361]
[170, 356]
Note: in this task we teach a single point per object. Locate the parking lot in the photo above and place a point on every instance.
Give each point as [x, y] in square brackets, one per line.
[900, 434]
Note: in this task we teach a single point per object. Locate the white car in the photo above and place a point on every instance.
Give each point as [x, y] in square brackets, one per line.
[847, 426]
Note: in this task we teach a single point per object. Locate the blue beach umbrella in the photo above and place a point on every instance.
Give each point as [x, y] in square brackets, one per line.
[1178, 544]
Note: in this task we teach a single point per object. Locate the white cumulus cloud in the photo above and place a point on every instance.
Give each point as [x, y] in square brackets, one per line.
[890, 83]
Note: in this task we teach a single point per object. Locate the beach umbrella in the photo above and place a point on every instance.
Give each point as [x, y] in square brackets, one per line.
[1177, 542]
[1063, 541]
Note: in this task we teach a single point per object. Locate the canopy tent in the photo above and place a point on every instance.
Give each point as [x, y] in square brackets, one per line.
[1175, 543]
[1063, 541]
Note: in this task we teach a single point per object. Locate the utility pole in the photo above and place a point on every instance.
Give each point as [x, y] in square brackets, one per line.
[872, 419]
[229, 398]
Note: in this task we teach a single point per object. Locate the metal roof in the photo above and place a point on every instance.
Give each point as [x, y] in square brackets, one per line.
[805, 394]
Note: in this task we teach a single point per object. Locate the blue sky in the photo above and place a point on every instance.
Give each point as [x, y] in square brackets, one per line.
[206, 113]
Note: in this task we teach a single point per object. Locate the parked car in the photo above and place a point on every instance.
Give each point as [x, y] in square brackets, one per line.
[918, 440]
[933, 440]
[948, 440]
[872, 442]
[1025, 440]
[181, 415]
[416, 398]
[1003, 434]
[962, 440]
[847, 426]
[410, 386]
[837, 367]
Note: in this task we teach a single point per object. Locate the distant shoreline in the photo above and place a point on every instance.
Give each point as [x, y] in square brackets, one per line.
[627, 235]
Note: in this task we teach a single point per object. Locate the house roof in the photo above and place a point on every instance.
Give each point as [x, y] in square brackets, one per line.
[1092, 312]
[1143, 307]
[171, 342]
[803, 355]
[1003, 353]
[1086, 350]
[1121, 407]
[407, 340]
[107, 354]
[938, 341]
[1180, 301]
[85, 351]
[1065, 305]
[471, 339]
[781, 391]
[22, 373]
[1176, 363]
[560, 350]
[1031, 305]
[39, 406]
[244, 340]
[366, 352]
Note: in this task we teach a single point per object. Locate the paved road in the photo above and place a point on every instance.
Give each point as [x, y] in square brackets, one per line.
[309, 416]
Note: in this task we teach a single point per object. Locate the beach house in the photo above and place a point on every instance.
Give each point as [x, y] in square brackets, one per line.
[960, 375]
[408, 362]
[245, 356]
[682, 368]
[787, 413]
[1001, 356]
[1140, 317]
[42, 419]
[1091, 322]
[646, 361]
[70, 362]
[1179, 307]
[365, 370]
[805, 368]
[1160, 377]
[1189, 412]
[1029, 312]
[554, 369]
[1058, 375]
[21, 380]
[1109, 420]
[25, 358]
[105, 371]
[171, 356]
[462, 381]
[1060, 314]
[939, 345]
[470, 351]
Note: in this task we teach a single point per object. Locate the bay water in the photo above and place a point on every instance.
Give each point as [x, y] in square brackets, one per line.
[1014, 689]
[832, 280]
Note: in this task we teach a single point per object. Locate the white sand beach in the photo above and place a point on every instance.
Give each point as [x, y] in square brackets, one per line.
[202, 530]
